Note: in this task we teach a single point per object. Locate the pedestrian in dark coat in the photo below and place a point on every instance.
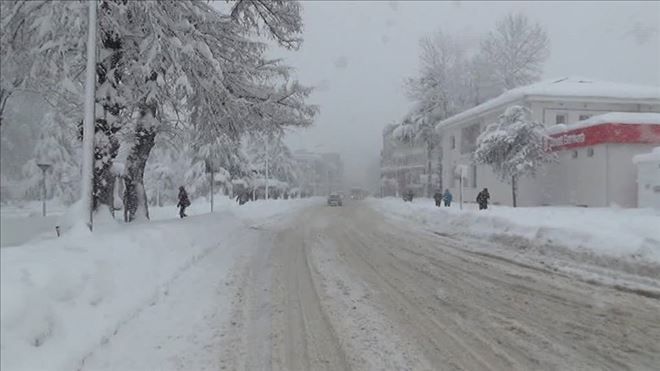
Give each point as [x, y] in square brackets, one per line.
[482, 199]
[242, 198]
[184, 202]
[437, 196]
[447, 197]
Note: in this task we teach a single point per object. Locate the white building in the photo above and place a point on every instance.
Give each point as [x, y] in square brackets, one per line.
[595, 172]
[648, 179]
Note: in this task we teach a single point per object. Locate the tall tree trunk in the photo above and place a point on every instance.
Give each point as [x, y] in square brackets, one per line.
[4, 97]
[514, 189]
[135, 196]
[429, 154]
[106, 144]
[106, 148]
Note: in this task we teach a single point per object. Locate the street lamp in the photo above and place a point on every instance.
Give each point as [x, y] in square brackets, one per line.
[44, 168]
[211, 170]
[267, 155]
[461, 172]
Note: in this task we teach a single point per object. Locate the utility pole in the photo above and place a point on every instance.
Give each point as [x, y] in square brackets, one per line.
[44, 168]
[212, 181]
[460, 184]
[87, 185]
[210, 170]
[267, 155]
[462, 170]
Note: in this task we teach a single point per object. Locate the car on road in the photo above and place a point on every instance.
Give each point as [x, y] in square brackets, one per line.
[334, 200]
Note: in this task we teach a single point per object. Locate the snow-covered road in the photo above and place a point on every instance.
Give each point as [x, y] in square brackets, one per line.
[345, 288]
[296, 285]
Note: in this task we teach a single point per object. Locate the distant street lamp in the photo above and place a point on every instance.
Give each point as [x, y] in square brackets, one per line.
[461, 172]
[44, 168]
[267, 155]
[210, 170]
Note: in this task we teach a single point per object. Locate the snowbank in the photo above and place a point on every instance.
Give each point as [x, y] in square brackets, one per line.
[629, 234]
[61, 298]
[22, 222]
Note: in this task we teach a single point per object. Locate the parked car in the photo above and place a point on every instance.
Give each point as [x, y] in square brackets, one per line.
[334, 200]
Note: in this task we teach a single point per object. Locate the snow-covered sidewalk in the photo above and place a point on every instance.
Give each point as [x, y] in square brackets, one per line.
[611, 246]
[632, 234]
[64, 299]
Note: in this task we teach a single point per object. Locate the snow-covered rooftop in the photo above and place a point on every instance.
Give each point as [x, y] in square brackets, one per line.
[654, 156]
[564, 87]
[632, 118]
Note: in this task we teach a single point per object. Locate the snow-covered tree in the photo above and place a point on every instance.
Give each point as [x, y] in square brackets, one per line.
[514, 147]
[269, 150]
[221, 152]
[45, 49]
[418, 128]
[440, 88]
[516, 50]
[58, 147]
[41, 49]
[163, 65]
[194, 63]
[280, 20]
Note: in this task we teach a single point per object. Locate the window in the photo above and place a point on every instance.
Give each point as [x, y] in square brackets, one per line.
[452, 142]
[469, 136]
[574, 154]
[473, 176]
[590, 152]
[560, 119]
[584, 117]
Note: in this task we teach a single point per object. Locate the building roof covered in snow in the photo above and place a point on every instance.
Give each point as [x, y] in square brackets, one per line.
[654, 156]
[566, 88]
[626, 118]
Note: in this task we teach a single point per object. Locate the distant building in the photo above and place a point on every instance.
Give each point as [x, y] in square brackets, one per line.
[594, 171]
[320, 173]
[595, 149]
[403, 166]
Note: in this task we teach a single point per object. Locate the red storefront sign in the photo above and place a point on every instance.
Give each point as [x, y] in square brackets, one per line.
[605, 133]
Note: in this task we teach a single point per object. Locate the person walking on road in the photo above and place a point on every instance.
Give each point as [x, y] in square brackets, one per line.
[242, 198]
[482, 199]
[438, 198]
[447, 197]
[184, 202]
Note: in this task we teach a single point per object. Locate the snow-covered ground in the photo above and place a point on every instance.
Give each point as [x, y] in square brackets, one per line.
[22, 222]
[65, 299]
[632, 234]
[609, 246]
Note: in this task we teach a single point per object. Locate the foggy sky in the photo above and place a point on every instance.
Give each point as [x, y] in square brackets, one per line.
[358, 53]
